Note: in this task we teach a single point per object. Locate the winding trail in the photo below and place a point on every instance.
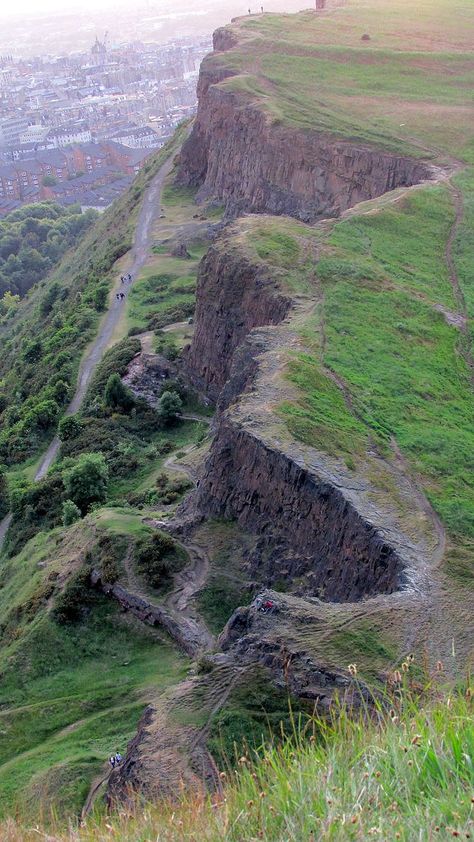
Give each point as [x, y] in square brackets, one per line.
[139, 255]
[149, 210]
[96, 786]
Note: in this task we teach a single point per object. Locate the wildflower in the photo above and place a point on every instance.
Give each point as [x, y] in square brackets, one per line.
[378, 774]
[222, 775]
[469, 693]
[243, 760]
[250, 803]
[439, 666]
[312, 738]
[354, 819]
[397, 835]
[396, 677]
[405, 666]
[410, 762]
[352, 669]
[410, 658]
[262, 794]
[416, 740]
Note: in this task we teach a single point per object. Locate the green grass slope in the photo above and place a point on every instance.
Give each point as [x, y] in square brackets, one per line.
[403, 776]
[408, 85]
[76, 673]
[43, 342]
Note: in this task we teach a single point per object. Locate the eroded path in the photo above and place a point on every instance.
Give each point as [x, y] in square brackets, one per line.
[143, 235]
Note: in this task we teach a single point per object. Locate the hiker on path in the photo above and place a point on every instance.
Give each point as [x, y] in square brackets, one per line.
[129, 277]
[112, 761]
[118, 758]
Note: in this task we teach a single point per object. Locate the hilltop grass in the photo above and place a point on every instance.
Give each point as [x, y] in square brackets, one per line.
[400, 360]
[312, 72]
[408, 775]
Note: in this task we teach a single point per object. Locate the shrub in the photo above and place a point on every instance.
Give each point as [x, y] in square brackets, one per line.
[114, 361]
[43, 415]
[69, 427]
[169, 407]
[100, 298]
[74, 599]
[167, 347]
[86, 482]
[71, 513]
[154, 558]
[116, 394]
[4, 494]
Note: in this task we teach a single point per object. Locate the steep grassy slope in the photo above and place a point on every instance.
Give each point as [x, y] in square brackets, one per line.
[43, 343]
[76, 675]
[402, 777]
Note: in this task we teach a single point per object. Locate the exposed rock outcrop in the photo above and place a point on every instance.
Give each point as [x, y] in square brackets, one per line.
[237, 155]
[146, 376]
[308, 527]
[183, 630]
[233, 297]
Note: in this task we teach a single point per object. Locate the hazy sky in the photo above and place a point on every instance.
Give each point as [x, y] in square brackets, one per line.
[22, 7]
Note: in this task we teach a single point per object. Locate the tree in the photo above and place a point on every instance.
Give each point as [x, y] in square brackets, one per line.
[9, 303]
[69, 427]
[61, 391]
[71, 513]
[116, 395]
[49, 181]
[86, 482]
[155, 558]
[100, 298]
[33, 351]
[169, 407]
[42, 415]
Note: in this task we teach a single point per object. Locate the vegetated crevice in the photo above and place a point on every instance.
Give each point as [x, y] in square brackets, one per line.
[237, 155]
[316, 535]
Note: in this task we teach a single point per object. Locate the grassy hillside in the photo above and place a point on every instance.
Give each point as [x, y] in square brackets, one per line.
[404, 775]
[379, 372]
[44, 340]
[408, 86]
[76, 673]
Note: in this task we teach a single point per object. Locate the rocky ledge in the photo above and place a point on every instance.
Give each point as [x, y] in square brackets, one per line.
[237, 155]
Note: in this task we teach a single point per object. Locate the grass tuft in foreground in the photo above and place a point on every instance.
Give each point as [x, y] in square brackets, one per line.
[406, 774]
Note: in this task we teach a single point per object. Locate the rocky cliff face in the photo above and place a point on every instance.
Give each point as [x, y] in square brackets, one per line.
[235, 154]
[233, 297]
[309, 531]
[316, 535]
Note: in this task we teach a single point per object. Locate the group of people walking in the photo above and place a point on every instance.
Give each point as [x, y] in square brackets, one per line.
[115, 759]
[124, 279]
